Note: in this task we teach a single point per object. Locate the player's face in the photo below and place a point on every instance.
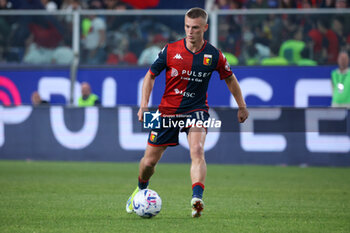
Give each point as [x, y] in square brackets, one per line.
[36, 98]
[343, 60]
[85, 90]
[195, 29]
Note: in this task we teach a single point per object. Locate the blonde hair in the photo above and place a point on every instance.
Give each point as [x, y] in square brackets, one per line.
[197, 12]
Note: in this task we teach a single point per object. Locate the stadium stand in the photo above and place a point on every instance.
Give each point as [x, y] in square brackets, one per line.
[33, 39]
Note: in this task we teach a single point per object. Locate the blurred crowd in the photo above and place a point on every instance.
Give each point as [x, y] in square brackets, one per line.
[264, 4]
[284, 39]
[274, 39]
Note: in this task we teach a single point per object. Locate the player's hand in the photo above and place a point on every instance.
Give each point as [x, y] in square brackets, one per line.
[140, 113]
[242, 114]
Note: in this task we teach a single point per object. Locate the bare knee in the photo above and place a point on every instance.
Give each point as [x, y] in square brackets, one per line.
[152, 156]
[197, 152]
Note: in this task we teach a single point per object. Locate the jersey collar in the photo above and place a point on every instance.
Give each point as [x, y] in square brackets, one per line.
[199, 51]
[344, 72]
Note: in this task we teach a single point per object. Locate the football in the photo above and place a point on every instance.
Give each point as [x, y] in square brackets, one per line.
[147, 203]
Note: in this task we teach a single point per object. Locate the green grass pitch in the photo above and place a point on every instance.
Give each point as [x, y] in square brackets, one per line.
[90, 197]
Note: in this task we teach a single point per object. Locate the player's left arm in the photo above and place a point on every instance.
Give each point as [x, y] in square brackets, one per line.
[235, 89]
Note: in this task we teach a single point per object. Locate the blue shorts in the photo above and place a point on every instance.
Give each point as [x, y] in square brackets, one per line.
[171, 126]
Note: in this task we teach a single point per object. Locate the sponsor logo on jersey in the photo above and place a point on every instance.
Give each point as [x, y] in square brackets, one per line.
[174, 72]
[227, 66]
[184, 93]
[178, 56]
[207, 59]
[195, 74]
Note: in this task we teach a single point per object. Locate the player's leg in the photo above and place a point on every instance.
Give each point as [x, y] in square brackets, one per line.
[158, 141]
[146, 169]
[196, 139]
[148, 163]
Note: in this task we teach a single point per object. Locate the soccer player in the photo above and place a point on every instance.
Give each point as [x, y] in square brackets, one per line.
[189, 64]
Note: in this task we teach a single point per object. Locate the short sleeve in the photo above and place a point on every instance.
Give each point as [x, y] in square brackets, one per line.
[160, 63]
[223, 67]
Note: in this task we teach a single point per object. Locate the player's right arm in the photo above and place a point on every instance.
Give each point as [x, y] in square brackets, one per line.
[147, 87]
[157, 67]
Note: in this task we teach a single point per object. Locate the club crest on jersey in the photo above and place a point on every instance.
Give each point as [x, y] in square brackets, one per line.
[207, 59]
[153, 136]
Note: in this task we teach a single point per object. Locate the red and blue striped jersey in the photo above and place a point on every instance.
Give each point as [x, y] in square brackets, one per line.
[188, 75]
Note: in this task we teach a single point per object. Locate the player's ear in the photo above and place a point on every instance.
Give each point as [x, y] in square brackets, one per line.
[206, 27]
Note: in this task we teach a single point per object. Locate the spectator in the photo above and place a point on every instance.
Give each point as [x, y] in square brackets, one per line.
[20, 29]
[261, 42]
[341, 82]
[305, 59]
[251, 56]
[230, 35]
[95, 40]
[70, 6]
[87, 98]
[289, 26]
[121, 54]
[73, 5]
[256, 20]
[5, 5]
[272, 3]
[227, 4]
[122, 6]
[110, 4]
[306, 4]
[330, 43]
[5, 29]
[115, 21]
[63, 54]
[288, 4]
[44, 39]
[49, 5]
[328, 4]
[252, 4]
[291, 49]
[150, 54]
[316, 38]
[37, 101]
[275, 26]
[341, 4]
[338, 28]
[248, 55]
[116, 5]
[274, 59]
[345, 18]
